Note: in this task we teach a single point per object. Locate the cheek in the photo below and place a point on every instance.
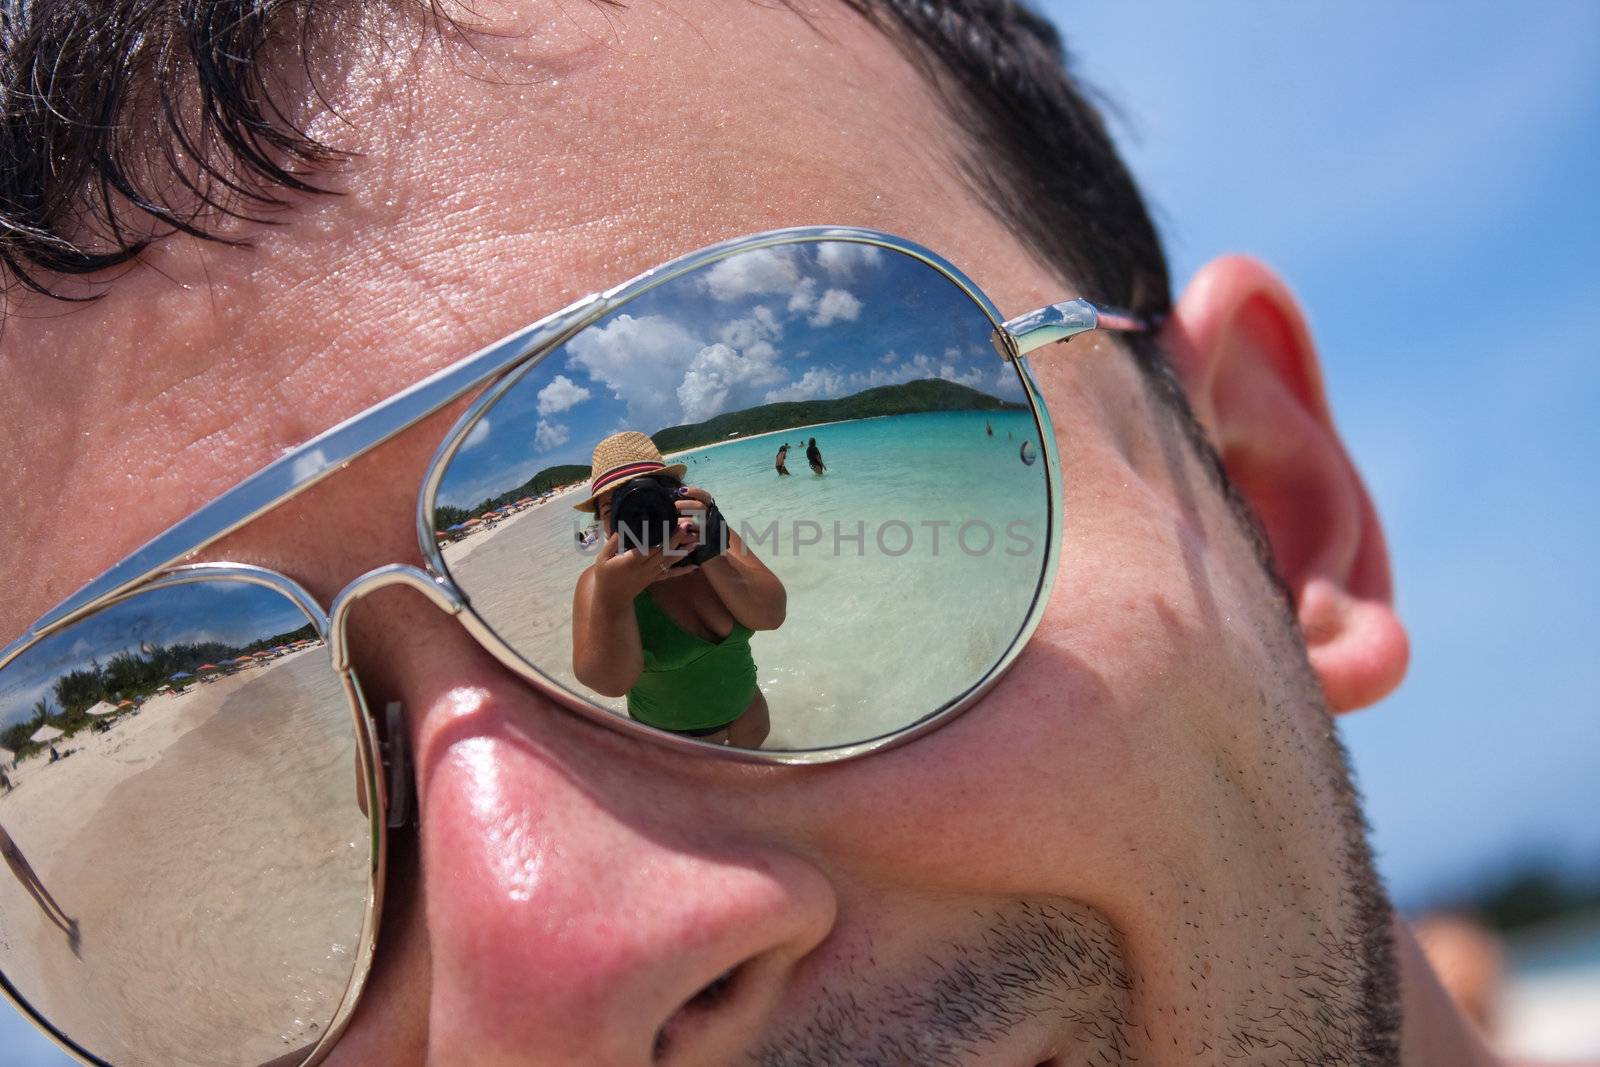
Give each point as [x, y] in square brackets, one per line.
[1107, 754]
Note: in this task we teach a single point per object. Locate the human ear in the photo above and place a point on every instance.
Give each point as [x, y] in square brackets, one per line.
[1240, 346]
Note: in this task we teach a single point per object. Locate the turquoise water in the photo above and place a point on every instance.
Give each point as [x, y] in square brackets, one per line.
[909, 566]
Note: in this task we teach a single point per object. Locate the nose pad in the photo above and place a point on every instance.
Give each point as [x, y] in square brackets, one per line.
[394, 752]
[397, 785]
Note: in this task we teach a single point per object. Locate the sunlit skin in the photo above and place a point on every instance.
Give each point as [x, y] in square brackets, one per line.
[1151, 784]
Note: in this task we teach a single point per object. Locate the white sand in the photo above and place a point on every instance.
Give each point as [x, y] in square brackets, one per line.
[212, 853]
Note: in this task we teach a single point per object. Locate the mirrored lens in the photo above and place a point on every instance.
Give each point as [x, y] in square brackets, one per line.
[880, 520]
[186, 867]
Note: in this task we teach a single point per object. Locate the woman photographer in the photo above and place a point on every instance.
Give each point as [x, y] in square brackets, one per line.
[664, 615]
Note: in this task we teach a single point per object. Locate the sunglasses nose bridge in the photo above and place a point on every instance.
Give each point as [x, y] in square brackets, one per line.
[440, 591]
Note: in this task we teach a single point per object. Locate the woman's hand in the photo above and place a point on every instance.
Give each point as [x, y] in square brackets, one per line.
[751, 592]
[698, 511]
[621, 576]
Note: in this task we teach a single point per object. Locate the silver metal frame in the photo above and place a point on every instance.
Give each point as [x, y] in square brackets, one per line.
[496, 368]
[371, 784]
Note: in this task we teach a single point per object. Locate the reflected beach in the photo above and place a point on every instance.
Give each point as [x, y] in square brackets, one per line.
[844, 410]
[855, 607]
[206, 846]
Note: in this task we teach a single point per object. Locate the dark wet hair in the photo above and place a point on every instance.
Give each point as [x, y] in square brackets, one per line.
[125, 120]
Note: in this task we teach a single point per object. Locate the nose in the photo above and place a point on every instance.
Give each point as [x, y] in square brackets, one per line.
[582, 911]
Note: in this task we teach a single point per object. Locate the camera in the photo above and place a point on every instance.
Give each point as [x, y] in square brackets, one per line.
[644, 514]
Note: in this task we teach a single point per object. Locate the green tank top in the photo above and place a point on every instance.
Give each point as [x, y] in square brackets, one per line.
[689, 683]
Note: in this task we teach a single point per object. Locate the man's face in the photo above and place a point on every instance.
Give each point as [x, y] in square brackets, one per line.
[1141, 843]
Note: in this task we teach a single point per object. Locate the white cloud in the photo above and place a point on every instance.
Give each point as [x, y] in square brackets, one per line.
[476, 436]
[1006, 382]
[972, 377]
[919, 367]
[760, 325]
[562, 393]
[904, 370]
[836, 305]
[816, 383]
[888, 358]
[804, 298]
[764, 270]
[842, 259]
[548, 435]
[721, 379]
[641, 361]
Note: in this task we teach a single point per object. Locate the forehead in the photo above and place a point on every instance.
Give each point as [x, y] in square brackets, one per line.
[560, 155]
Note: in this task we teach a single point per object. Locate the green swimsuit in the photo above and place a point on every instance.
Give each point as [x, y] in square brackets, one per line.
[689, 683]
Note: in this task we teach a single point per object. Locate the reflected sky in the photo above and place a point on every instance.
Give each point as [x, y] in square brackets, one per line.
[231, 613]
[795, 322]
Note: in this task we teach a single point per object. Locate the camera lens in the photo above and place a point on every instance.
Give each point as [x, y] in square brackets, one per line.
[643, 513]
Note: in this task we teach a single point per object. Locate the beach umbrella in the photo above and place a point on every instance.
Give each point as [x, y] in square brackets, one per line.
[182, 674]
[263, 655]
[207, 667]
[457, 526]
[125, 704]
[46, 734]
[102, 708]
[473, 522]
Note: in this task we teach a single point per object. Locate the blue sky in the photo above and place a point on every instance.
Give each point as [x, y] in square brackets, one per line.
[1425, 178]
[792, 322]
[233, 613]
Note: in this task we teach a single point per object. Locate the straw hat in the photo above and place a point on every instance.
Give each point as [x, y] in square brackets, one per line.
[623, 457]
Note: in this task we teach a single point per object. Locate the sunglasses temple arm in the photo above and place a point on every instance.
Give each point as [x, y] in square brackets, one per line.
[1059, 322]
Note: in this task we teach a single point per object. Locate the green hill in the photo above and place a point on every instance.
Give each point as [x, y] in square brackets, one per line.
[933, 394]
[446, 515]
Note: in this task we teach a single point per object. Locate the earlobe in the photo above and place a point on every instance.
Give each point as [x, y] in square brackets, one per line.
[1243, 351]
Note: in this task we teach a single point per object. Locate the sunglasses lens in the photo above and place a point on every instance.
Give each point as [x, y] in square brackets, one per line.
[882, 502]
[187, 869]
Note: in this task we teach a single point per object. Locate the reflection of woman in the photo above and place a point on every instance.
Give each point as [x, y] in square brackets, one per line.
[673, 636]
[783, 459]
[814, 457]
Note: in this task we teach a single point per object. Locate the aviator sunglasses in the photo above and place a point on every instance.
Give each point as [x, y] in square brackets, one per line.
[790, 499]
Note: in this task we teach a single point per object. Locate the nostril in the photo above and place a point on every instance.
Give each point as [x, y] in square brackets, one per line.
[715, 991]
[711, 996]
